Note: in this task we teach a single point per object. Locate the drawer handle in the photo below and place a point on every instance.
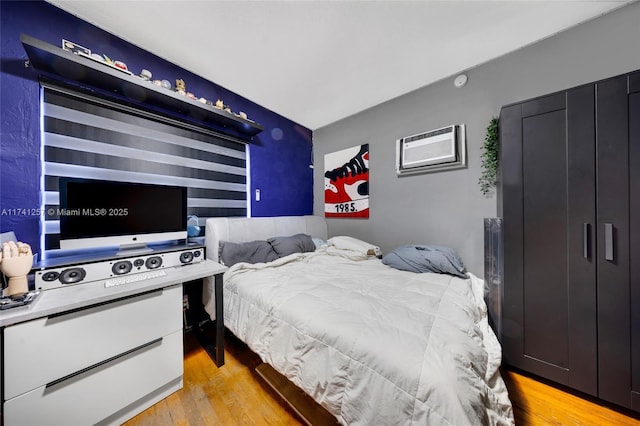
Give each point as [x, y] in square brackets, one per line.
[84, 370]
[586, 237]
[74, 313]
[608, 241]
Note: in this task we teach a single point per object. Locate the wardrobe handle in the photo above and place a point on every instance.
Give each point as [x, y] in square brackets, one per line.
[608, 241]
[585, 240]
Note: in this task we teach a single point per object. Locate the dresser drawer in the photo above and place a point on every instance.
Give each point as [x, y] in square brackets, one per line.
[44, 350]
[96, 394]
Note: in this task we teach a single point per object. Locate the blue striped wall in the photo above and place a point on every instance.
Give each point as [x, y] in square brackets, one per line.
[279, 157]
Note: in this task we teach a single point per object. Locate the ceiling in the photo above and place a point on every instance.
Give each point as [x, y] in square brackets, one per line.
[316, 62]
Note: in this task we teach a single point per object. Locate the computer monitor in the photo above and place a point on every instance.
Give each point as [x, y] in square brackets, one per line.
[97, 213]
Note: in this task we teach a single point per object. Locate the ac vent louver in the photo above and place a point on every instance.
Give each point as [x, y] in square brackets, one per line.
[435, 150]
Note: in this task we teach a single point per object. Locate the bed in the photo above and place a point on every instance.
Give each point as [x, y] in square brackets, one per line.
[370, 343]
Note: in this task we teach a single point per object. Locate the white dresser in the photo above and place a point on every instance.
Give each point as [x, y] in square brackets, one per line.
[94, 355]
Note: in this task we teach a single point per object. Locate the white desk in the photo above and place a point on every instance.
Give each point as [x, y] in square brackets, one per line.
[87, 354]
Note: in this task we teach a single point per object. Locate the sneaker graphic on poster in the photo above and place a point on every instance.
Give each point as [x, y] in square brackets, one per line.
[346, 188]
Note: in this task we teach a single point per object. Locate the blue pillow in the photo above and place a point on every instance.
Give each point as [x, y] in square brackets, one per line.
[318, 242]
[426, 258]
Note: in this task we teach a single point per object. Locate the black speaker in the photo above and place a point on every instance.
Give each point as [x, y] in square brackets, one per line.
[122, 267]
[72, 275]
[186, 257]
[154, 262]
[50, 276]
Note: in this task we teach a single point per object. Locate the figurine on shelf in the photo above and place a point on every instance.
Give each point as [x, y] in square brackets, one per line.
[191, 96]
[157, 83]
[16, 261]
[166, 84]
[221, 105]
[121, 65]
[243, 115]
[181, 88]
[203, 100]
[146, 75]
[75, 48]
[107, 59]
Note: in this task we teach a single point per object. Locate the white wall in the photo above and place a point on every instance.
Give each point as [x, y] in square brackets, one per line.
[447, 208]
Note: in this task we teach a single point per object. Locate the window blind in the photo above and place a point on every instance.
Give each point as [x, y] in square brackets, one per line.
[88, 137]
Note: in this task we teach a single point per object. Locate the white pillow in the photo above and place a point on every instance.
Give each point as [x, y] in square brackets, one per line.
[349, 243]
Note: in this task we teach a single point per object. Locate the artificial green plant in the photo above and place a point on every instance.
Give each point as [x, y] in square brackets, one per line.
[490, 155]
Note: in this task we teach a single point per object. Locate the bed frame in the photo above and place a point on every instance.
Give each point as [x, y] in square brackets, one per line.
[250, 229]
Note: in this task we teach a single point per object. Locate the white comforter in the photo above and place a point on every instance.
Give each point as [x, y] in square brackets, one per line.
[373, 345]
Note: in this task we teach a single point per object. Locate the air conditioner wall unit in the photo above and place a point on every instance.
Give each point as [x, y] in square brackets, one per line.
[435, 150]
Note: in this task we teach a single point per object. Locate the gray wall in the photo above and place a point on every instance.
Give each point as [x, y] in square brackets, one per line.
[447, 207]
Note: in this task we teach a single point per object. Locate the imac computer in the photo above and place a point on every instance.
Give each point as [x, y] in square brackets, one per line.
[97, 213]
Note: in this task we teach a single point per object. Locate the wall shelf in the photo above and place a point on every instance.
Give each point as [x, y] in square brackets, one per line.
[72, 68]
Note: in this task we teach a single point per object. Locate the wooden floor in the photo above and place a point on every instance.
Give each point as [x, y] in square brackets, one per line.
[230, 395]
[536, 403]
[235, 395]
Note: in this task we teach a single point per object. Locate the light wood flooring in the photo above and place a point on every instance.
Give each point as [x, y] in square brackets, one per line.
[536, 403]
[235, 395]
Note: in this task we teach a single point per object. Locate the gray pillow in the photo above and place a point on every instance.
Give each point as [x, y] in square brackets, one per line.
[299, 243]
[250, 252]
[426, 258]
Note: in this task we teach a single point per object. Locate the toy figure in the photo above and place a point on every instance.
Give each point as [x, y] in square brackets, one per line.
[146, 74]
[181, 87]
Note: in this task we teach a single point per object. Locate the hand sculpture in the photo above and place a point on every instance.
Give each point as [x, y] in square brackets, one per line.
[16, 261]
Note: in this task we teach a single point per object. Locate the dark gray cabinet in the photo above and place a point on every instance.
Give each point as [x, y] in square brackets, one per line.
[634, 233]
[570, 202]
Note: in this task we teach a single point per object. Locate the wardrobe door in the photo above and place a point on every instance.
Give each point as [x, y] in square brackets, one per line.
[614, 316]
[545, 262]
[634, 233]
[549, 223]
[510, 208]
[581, 247]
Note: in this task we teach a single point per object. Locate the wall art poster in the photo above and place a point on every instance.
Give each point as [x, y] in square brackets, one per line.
[346, 182]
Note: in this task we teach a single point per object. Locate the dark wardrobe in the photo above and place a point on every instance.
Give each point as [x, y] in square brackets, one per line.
[570, 201]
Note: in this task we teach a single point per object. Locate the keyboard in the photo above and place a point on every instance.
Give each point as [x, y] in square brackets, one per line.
[133, 278]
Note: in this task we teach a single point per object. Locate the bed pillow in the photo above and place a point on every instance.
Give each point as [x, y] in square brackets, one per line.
[299, 243]
[319, 242]
[426, 258]
[250, 252]
[350, 243]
